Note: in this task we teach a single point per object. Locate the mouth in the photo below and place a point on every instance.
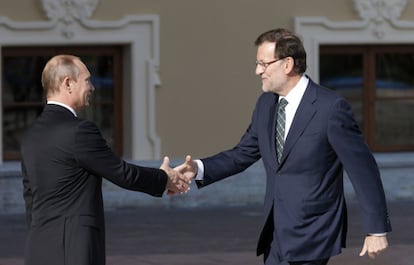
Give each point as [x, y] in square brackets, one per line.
[88, 97]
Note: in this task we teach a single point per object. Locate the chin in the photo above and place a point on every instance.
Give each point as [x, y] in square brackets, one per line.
[265, 89]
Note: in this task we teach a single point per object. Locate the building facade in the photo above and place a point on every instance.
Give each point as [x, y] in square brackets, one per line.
[171, 75]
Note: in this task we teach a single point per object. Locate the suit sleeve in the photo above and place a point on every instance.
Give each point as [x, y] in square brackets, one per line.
[361, 167]
[27, 195]
[93, 154]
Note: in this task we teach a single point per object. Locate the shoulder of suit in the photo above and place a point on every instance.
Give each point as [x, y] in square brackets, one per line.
[268, 96]
[87, 125]
[325, 91]
[266, 100]
[58, 110]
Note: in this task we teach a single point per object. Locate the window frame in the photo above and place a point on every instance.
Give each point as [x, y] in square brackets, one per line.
[369, 99]
[114, 51]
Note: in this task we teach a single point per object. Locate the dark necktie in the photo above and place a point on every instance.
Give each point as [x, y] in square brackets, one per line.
[280, 127]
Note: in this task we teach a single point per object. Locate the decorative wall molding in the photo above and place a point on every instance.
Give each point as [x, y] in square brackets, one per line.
[379, 24]
[379, 11]
[68, 12]
[68, 24]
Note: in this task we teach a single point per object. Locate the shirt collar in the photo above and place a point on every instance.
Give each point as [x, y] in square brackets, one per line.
[295, 95]
[63, 105]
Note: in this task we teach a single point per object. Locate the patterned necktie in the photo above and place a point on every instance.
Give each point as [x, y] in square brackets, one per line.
[280, 127]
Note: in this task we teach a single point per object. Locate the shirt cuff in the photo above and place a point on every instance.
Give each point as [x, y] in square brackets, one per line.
[200, 170]
[378, 234]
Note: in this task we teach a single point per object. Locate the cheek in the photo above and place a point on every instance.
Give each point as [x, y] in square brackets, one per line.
[272, 79]
[277, 78]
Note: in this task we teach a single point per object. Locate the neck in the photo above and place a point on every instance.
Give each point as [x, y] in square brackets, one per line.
[290, 84]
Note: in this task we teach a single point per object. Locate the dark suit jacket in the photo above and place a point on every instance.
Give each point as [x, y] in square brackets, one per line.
[63, 162]
[305, 191]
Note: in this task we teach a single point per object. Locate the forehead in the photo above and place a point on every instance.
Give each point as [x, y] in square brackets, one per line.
[266, 50]
[83, 70]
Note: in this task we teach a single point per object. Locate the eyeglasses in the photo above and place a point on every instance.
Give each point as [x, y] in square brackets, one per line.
[264, 65]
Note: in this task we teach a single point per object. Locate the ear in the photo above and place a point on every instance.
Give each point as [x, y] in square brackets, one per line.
[67, 84]
[289, 64]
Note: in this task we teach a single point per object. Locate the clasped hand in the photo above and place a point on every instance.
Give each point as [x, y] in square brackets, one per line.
[179, 178]
[177, 182]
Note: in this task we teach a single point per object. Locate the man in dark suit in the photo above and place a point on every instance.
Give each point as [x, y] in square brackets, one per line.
[306, 135]
[64, 159]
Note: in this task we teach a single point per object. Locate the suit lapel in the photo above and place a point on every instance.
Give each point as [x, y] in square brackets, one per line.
[272, 129]
[303, 116]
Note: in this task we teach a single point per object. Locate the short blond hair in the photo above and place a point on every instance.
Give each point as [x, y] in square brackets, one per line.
[55, 71]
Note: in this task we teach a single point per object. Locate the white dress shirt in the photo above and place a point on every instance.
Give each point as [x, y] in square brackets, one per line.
[293, 98]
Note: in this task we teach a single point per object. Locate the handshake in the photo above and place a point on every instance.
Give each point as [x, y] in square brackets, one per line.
[179, 177]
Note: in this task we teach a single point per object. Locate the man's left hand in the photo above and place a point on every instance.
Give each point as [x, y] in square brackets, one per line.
[374, 245]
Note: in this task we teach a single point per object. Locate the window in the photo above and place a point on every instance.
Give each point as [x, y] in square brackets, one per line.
[22, 92]
[378, 81]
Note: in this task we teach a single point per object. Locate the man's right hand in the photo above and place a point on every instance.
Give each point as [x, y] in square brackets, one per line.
[177, 182]
[189, 168]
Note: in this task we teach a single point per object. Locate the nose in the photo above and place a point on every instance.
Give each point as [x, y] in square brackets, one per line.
[259, 69]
